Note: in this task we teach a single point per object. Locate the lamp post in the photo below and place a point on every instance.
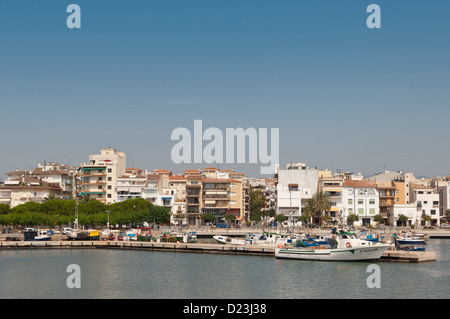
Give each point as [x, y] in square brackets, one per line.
[107, 225]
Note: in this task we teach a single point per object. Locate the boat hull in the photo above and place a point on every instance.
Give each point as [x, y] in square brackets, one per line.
[38, 239]
[359, 253]
[411, 241]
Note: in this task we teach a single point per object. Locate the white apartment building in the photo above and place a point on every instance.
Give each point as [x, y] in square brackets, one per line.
[408, 210]
[426, 199]
[295, 185]
[98, 178]
[130, 185]
[360, 197]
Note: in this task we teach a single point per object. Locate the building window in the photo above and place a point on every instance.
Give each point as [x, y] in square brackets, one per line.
[350, 201]
[109, 195]
[109, 179]
[372, 201]
[350, 211]
[361, 211]
[433, 212]
[109, 170]
[360, 201]
[371, 210]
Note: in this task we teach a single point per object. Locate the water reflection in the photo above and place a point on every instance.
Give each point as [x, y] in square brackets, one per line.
[145, 274]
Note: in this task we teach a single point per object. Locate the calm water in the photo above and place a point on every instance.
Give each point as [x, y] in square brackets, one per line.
[146, 274]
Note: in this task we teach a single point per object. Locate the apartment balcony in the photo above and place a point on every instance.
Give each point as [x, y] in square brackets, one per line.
[217, 190]
[216, 197]
[386, 204]
[193, 186]
[387, 196]
[192, 194]
[192, 203]
[87, 183]
[89, 174]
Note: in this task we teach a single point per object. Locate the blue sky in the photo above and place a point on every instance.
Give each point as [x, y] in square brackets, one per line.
[343, 95]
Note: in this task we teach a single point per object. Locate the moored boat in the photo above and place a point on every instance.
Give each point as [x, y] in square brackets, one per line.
[410, 239]
[343, 246]
[31, 234]
[227, 240]
[84, 235]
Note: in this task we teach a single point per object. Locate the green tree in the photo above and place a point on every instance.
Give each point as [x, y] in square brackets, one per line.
[257, 202]
[352, 218]
[208, 217]
[378, 218]
[280, 218]
[4, 209]
[317, 205]
[402, 219]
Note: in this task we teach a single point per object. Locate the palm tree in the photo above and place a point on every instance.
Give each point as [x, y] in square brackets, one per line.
[322, 204]
[309, 209]
[318, 205]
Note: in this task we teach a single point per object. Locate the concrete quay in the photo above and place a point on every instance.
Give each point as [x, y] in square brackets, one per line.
[269, 251]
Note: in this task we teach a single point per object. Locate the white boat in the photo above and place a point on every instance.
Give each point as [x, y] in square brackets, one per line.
[410, 238]
[31, 234]
[227, 240]
[277, 239]
[345, 246]
[266, 239]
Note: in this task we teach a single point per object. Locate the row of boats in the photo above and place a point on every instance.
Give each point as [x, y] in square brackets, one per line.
[340, 245]
[138, 234]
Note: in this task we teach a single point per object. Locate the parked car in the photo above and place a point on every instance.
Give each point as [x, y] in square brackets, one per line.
[445, 225]
[222, 226]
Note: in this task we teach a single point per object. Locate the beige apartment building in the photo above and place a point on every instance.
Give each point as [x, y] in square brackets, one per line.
[24, 189]
[98, 178]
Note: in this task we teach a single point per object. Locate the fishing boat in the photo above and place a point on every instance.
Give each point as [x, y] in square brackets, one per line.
[31, 234]
[227, 240]
[408, 247]
[266, 239]
[83, 235]
[342, 246]
[276, 239]
[370, 237]
[410, 239]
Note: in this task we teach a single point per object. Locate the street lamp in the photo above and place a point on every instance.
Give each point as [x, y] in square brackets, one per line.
[107, 225]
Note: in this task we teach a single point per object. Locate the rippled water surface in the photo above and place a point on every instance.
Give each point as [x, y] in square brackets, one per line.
[146, 274]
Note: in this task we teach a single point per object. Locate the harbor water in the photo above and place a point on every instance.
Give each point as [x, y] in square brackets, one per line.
[104, 273]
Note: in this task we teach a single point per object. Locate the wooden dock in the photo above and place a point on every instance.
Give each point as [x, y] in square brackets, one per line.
[269, 251]
[408, 256]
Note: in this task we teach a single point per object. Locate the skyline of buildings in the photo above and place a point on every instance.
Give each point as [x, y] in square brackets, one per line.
[220, 192]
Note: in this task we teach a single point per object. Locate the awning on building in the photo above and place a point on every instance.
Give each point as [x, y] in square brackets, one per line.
[94, 168]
